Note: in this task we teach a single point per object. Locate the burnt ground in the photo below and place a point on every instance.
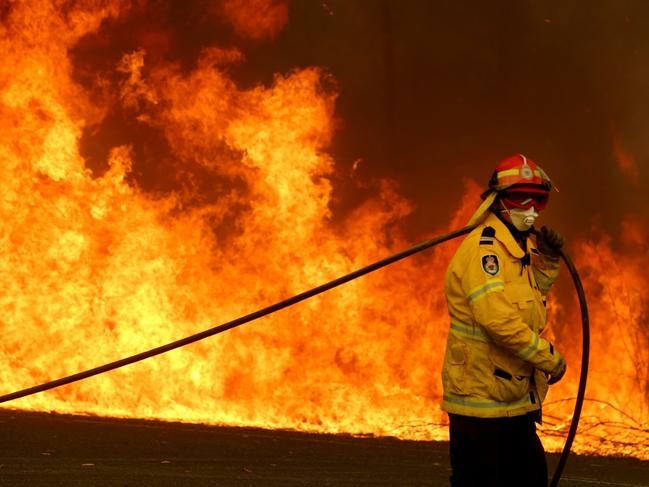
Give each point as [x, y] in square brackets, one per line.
[41, 449]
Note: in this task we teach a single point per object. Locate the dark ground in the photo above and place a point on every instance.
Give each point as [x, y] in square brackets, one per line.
[40, 449]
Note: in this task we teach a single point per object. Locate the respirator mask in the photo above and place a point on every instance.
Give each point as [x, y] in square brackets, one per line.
[522, 220]
[522, 207]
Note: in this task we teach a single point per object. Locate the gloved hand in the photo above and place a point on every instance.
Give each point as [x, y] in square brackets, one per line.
[549, 242]
[558, 372]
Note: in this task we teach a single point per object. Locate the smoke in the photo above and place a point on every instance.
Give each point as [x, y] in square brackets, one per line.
[430, 93]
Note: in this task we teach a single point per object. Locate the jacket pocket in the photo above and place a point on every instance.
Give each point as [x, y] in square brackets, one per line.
[528, 303]
[508, 387]
[456, 364]
[511, 377]
[520, 294]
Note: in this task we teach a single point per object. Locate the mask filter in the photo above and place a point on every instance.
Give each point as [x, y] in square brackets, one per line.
[522, 219]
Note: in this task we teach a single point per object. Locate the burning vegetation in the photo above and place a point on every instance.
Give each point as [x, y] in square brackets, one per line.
[147, 196]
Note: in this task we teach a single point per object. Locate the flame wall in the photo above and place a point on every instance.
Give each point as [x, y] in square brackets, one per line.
[155, 185]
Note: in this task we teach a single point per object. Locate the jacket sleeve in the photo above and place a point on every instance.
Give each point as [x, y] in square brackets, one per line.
[546, 270]
[484, 287]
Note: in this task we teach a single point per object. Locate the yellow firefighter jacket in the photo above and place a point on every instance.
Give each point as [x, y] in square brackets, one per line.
[496, 301]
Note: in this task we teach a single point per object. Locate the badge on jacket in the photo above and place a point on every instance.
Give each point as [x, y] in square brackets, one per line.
[490, 264]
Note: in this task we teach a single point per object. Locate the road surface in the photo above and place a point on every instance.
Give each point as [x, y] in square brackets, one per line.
[41, 449]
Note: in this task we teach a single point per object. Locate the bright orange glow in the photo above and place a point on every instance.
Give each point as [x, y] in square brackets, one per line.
[615, 416]
[96, 268]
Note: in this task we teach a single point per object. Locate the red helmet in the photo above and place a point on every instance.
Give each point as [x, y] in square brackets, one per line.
[521, 183]
[517, 170]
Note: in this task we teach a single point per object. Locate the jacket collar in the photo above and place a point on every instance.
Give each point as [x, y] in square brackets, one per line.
[505, 237]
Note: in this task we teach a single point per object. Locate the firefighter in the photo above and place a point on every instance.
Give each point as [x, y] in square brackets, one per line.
[497, 367]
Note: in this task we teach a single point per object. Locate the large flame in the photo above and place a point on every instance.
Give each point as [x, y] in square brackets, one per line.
[228, 213]
[615, 416]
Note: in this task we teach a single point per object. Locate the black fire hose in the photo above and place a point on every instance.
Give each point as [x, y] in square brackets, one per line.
[320, 289]
[237, 322]
[583, 375]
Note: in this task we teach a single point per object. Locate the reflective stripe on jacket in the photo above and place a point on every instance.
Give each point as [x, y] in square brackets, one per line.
[496, 301]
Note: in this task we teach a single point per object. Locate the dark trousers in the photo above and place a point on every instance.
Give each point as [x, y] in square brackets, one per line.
[498, 452]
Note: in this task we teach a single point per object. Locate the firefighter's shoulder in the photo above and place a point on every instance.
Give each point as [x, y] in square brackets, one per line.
[487, 236]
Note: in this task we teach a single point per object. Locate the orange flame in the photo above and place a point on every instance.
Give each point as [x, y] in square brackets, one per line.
[97, 266]
[615, 415]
